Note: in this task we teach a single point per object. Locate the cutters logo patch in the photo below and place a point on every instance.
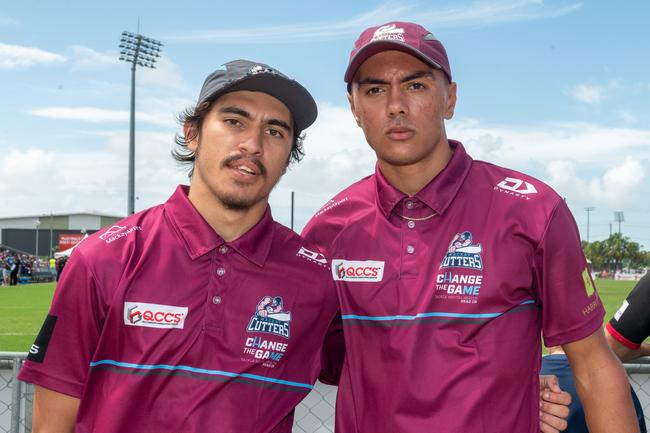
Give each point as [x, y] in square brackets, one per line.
[270, 317]
[389, 32]
[463, 253]
[154, 315]
[362, 271]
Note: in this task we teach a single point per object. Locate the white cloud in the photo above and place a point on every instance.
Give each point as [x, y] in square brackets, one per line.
[88, 179]
[17, 56]
[588, 93]
[100, 115]
[628, 117]
[525, 146]
[469, 14]
[85, 57]
[166, 74]
[619, 186]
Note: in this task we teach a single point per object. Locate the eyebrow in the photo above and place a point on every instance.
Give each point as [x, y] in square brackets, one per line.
[243, 113]
[413, 76]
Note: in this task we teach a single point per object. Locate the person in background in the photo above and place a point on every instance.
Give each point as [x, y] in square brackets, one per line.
[557, 363]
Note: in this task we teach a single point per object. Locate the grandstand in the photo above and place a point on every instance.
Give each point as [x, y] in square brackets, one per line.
[45, 234]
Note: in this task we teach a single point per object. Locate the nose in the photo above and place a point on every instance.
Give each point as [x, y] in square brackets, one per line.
[396, 103]
[251, 143]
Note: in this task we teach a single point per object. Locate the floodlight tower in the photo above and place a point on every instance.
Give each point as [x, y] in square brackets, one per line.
[588, 209]
[142, 51]
[619, 217]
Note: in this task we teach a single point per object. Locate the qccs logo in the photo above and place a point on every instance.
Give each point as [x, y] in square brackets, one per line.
[154, 315]
[362, 271]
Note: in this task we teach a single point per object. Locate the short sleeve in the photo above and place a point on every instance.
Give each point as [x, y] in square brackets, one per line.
[59, 358]
[631, 323]
[333, 353]
[571, 308]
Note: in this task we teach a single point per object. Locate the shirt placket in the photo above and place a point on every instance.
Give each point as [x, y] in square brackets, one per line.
[220, 279]
[412, 214]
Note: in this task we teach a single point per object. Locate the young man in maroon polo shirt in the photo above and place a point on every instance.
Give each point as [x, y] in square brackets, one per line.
[447, 268]
[201, 314]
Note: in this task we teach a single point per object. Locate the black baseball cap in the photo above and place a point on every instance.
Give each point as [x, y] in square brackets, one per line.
[254, 76]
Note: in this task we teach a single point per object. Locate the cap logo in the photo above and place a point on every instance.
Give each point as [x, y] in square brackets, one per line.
[389, 32]
[259, 69]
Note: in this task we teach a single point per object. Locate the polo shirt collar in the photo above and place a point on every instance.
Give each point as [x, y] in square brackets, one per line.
[199, 238]
[437, 194]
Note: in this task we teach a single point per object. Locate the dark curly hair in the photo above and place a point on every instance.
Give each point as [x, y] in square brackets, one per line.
[195, 116]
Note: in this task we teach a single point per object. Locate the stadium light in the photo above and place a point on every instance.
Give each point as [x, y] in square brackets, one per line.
[37, 223]
[139, 51]
[589, 209]
[619, 217]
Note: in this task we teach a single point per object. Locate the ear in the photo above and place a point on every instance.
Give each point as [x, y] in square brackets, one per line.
[451, 101]
[353, 108]
[189, 130]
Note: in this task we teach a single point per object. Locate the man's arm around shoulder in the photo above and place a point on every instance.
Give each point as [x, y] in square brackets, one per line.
[53, 412]
[602, 385]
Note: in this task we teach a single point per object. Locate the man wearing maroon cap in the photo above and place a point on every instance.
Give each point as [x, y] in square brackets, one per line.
[447, 268]
[201, 314]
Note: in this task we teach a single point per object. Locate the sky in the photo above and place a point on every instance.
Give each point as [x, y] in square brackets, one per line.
[559, 90]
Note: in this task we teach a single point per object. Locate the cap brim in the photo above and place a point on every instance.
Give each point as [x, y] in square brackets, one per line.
[297, 99]
[376, 47]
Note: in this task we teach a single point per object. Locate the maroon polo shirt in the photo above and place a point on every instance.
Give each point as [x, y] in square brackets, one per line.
[444, 294]
[158, 325]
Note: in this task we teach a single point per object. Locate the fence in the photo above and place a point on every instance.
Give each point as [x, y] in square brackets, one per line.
[314, 415]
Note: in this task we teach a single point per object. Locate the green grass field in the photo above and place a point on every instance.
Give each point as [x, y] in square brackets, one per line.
[22, 311]
[23, 308]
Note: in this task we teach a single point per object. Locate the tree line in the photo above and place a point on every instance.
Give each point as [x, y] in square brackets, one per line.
[616, 252]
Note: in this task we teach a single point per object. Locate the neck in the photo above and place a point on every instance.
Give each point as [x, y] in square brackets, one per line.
[410, 179]
[229, 224]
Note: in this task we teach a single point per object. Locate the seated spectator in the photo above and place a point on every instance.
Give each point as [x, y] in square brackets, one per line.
[557, 363]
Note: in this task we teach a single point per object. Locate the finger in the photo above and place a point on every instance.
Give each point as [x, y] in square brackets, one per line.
[560, 398]
[549, 381]
[555, 410]
[551, 424]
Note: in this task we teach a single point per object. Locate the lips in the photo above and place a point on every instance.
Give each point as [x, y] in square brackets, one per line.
[400, 133]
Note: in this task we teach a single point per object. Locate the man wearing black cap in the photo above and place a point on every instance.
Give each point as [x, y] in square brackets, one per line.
[201, 314]
[447, 268]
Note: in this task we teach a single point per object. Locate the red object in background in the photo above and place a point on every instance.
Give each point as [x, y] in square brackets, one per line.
[69, 240]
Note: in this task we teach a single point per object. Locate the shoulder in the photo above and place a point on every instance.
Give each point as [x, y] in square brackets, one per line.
[298, 250]
[351, 204]
[513, 183]
[514, 192]
[115, 245]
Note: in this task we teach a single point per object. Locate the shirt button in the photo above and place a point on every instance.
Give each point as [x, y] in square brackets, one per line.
[411, 224]
[223, 249]
[221, 272]
[410, 249]
[216, 300]
[409, 205]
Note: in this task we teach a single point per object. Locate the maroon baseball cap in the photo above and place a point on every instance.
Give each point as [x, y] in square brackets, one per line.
[410, 38]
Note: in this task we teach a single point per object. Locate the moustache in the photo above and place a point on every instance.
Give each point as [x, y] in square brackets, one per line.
[234, 158]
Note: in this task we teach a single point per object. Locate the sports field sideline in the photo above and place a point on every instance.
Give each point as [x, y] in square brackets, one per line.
[23, 308]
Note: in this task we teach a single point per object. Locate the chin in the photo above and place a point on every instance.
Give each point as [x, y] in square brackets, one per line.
[240, 202]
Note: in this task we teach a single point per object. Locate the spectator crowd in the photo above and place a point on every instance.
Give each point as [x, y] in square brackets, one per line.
[17, 267]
